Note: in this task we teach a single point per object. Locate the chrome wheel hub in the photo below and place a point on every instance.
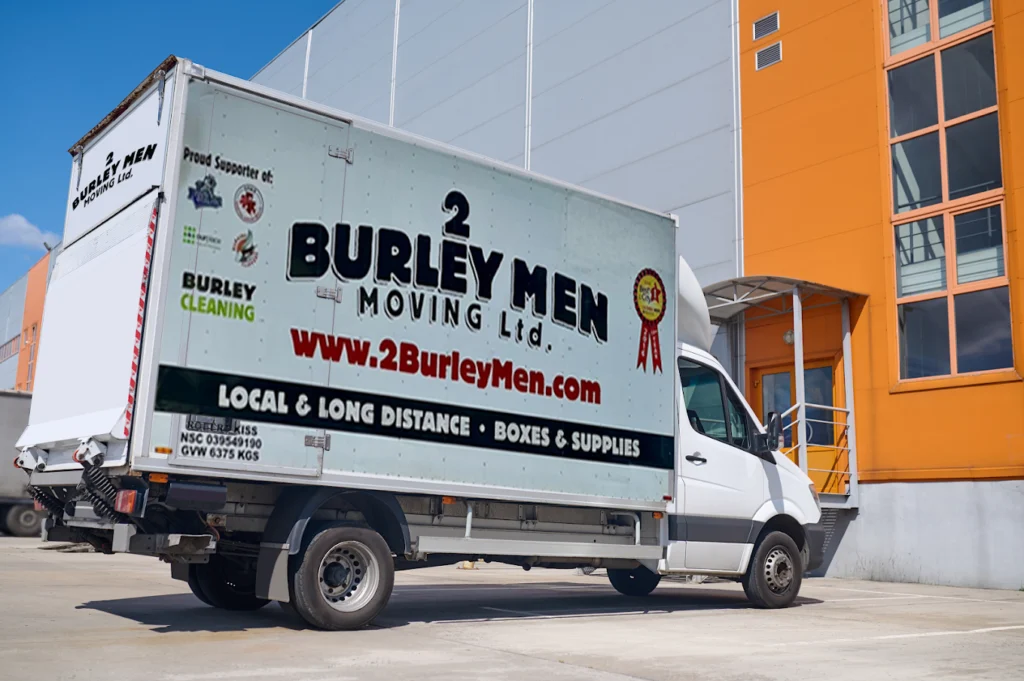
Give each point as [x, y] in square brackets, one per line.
[349, 575]
[779, 570]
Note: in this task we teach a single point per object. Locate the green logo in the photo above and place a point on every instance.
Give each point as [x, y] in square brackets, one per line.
[188, 237]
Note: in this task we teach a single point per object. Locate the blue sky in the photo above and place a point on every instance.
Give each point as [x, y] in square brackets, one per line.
[66, 64]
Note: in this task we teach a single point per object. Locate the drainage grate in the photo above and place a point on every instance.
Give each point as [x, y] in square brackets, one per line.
[765, 26]
[769, 55]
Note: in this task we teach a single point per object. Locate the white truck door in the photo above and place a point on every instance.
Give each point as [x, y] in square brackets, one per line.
[229, 370]
[723, 482]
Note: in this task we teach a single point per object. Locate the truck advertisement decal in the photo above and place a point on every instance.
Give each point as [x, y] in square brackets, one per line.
[119, 166]
[246, 398]
[330, 281]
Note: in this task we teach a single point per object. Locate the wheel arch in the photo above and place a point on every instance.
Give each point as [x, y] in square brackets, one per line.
[287, 527]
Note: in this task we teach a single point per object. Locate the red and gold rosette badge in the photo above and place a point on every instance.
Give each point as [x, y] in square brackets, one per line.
[649, 301]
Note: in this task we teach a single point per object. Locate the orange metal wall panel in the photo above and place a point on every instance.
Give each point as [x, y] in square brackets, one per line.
[35, 294]
[817, 206]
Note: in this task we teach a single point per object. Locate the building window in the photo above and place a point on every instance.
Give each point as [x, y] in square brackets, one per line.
[10, 348]
[953, 301]
[911, 23]
[952, 294]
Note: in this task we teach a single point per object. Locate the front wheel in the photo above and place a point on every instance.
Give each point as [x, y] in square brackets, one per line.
[636, 582]
[23, 521]
[345, 578]
[775, 573]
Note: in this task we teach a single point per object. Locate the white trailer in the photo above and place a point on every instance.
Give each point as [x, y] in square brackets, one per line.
[17, 514]
[289, 352]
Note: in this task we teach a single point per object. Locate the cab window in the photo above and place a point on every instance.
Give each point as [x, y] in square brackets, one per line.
[712, 408]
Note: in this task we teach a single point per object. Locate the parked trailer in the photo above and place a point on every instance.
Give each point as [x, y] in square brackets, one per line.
[290, 352]
[17, 513]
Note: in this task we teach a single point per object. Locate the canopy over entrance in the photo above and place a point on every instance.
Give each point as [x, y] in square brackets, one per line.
[728, 299]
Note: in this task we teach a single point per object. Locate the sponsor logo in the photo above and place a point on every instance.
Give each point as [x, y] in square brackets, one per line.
[249, 203]
[114, 173]
[212, 295]
[245, 249]
[204, 195]
[190, 236]
[649, 301]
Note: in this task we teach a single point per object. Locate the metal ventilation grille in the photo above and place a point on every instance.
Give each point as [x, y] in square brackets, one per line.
[766, 25]
[769, 55]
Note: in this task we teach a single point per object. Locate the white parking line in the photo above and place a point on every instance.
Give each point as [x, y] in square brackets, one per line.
[896, 637]
[302, 672]
[902, 593]
[512, 612]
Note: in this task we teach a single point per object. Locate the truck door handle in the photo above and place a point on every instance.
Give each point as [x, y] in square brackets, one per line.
[696, 458]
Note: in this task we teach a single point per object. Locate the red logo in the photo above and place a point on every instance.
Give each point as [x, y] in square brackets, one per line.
[249, 203]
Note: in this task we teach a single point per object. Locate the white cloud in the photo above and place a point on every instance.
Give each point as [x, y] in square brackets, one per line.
[15, 230]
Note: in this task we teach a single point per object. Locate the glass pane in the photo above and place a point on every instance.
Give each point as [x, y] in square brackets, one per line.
[818, 389]
[908, 24]
[983, 330]
[959, 15]
[916, 173]
[968, 77]
[702, 396]
[924, 339]
[979, 245]
[775, 396]
[972, 149]
[739, 421]
[920, 257]
[912, 97]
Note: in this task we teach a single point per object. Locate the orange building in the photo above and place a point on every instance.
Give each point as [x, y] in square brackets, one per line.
[21, 317]
[883, 156]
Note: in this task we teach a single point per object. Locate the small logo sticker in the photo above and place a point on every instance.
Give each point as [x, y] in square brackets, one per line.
[249, 203]
[245, 249]
[190, 236]
[649, 300]
[204, 195]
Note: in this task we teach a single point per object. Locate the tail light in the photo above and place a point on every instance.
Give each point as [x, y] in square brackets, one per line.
[125, 501]
[38, 506]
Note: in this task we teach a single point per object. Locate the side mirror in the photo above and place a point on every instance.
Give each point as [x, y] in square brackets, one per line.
[773, 424]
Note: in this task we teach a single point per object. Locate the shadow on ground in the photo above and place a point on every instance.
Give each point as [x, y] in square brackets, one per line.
[443, 603]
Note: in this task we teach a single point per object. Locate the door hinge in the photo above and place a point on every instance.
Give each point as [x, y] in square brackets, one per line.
[160, 92]
[79, 157]
[321, 441]
[329, 293]
[342, 152]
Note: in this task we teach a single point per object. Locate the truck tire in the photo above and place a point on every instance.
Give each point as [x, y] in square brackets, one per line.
[636, 582]
[23, 521]
[221, 584]
[344, 578]
[193, 584]
[775, 572]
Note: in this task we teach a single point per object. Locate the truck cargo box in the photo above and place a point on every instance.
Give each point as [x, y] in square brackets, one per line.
[301, 295]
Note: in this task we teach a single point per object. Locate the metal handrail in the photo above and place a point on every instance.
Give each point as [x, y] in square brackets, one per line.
[834, 476]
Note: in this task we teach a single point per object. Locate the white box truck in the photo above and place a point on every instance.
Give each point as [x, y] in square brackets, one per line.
[289, 352]
[17, 513]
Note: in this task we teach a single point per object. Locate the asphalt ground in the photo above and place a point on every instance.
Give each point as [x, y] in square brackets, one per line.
[86, 616]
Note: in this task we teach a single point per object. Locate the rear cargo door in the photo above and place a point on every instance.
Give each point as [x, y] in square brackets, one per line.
[87, 362]
[249, 171]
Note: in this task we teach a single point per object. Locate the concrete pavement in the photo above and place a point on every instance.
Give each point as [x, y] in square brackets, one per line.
[86, 616]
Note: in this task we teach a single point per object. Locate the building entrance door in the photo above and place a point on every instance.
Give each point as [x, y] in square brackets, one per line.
[774, 389]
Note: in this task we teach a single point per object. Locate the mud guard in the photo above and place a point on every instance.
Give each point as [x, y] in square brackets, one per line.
[286, 528]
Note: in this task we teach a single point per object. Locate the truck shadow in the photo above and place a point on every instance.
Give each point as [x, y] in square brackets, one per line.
[439, 603]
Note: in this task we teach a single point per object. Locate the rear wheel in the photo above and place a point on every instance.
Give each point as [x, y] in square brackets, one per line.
[636, 582]
[23, 521]
[344, 579]
[775, 573]
[224, 584]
